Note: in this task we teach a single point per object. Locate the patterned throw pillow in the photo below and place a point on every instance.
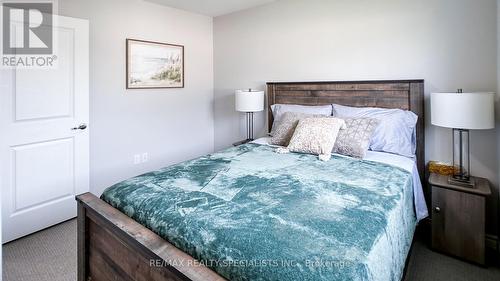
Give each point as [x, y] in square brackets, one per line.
[316, 136]
[282, 131]
[355, 139]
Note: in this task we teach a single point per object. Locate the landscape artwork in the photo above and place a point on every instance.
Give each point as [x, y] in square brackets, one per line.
[154, 65]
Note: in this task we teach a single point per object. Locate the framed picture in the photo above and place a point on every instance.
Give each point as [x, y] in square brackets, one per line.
[154, 65]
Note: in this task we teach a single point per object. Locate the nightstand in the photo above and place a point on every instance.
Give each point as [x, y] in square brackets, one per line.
[458, 218]
[241, 142]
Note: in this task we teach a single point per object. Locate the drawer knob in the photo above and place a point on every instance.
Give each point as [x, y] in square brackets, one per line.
[437, 209]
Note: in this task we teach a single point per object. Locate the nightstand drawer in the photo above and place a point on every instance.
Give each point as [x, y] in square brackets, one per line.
[458, 226]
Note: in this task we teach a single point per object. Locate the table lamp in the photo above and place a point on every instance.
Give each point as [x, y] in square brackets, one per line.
[249, 101]
[462, 112]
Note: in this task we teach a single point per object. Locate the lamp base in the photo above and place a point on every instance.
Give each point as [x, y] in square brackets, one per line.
[462, 181]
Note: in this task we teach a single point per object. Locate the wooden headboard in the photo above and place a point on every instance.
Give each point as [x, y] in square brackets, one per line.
[403, 94]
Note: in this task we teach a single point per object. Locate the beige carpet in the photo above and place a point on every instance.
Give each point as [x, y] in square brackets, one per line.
[46, 255]
[50, 255]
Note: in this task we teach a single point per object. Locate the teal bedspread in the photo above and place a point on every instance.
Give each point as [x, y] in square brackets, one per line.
[252, 214]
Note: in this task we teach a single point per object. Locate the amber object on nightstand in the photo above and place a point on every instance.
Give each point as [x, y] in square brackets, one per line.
[441, 168]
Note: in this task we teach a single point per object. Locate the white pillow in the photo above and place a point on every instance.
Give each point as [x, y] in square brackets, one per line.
[316, 136]
[279, 109]
[396, 132]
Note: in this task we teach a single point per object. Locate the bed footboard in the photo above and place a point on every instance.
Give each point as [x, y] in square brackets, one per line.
[112, 246]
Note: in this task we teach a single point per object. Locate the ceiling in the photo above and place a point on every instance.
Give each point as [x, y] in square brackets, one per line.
[212, 7]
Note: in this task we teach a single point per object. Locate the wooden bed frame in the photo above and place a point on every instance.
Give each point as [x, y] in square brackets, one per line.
[402, 94]
[112, 246]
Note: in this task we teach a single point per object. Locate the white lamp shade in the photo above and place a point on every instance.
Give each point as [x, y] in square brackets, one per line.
[472, 111]
[249, 101]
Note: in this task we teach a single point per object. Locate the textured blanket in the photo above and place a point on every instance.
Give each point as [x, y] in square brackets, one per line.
[252, 214]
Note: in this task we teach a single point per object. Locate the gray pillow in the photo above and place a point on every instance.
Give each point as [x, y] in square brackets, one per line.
[280, 109]
[283, 129]
[355, 140]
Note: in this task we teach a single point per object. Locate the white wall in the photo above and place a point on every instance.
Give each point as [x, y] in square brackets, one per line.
[497, 108]
[1, 245]
[170, 124]
[449, 43]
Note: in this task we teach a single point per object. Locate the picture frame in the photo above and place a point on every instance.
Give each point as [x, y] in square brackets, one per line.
[154, 65]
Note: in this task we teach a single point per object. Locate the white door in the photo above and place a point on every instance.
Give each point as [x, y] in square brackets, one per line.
[44, 162]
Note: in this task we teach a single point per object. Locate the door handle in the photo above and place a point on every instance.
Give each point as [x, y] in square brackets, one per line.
[82, 126]
[437, 210]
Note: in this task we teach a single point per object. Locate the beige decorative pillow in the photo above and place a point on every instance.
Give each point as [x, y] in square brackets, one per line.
[282, 131]
[316, 136]
[355, 139]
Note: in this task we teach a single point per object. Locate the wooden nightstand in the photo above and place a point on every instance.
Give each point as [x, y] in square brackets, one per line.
[458, 215]
[241, 142]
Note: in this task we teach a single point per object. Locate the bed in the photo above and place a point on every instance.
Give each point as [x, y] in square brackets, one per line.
[247, 213]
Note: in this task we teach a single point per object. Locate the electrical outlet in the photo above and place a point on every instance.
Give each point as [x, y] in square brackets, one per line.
[137, 159]
[145, 157]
